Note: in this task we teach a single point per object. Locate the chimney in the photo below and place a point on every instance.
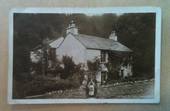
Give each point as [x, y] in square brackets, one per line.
[113, 36]
[72, 28]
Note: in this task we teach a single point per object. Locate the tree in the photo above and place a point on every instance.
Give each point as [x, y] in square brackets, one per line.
[137, 31]
[69, 67]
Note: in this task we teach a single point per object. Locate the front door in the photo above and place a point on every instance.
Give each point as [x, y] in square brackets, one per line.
[103, 77]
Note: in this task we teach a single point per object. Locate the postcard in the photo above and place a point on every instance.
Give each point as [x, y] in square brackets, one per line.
[84, 55]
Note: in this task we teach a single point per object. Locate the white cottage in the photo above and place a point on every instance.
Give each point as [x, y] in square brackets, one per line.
[83, 48]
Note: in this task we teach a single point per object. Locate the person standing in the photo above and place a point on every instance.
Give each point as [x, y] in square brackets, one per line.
[91, 88]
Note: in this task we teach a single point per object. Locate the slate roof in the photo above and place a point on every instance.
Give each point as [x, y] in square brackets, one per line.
[93, 42]
[55, 43]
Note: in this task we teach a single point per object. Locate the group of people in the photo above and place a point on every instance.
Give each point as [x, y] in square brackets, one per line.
[90, 86]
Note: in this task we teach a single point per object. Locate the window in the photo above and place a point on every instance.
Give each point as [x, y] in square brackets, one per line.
[103, 56]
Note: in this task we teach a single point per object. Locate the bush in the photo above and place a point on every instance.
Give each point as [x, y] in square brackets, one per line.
[42, 85]
[69, 67]
[93, 66]
[71, 76]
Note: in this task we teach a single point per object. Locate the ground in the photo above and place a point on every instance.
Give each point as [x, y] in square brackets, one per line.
[139, 89]
[136, 89]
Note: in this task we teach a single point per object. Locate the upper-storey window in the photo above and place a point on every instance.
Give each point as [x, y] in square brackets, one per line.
[103, 56]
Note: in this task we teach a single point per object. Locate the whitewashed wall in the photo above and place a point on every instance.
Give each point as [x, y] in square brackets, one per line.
[92, 54]
[107, 56]
[98, 77]
[73, 48]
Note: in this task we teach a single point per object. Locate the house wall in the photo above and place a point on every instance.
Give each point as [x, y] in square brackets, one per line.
[73, 48]
[107, 56]
[98, 77]
[92, 54]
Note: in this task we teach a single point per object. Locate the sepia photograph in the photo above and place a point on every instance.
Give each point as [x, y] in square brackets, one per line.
[84, 55]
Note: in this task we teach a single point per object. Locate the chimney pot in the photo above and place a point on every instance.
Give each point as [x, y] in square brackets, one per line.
[113, 36]
[72, 28]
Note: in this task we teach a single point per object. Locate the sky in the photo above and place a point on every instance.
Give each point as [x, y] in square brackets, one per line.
[92, 14]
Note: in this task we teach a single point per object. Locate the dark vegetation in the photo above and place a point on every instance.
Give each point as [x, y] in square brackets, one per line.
[137, 31]
[93, 65]
[70, 78]
[40, 85]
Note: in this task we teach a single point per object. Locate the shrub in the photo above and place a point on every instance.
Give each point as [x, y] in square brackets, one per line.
[69, 67]
[93, 66]
[71, 76]
[41, 85]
